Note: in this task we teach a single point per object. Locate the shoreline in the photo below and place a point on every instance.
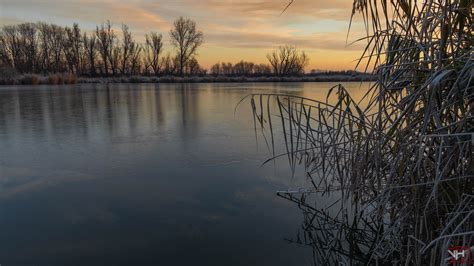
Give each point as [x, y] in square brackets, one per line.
[71, 79]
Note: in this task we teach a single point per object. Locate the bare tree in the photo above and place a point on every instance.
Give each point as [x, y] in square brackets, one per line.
[262, 70]
[186, 38]
[243, 68]
[153, 48]
[106, 38]
[127, 46]
[193, 68]
[4, 60]
[115, 59]
[168, 65]
[216, 69]
[19, 46]
[73, 48]
[288, 60]
[29, 45]
[227, 69]
[90, 44]
[56, 41]
[135, 59]
[10, 46]
[45, 51]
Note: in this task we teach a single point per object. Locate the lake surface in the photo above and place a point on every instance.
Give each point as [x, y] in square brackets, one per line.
[144, 174]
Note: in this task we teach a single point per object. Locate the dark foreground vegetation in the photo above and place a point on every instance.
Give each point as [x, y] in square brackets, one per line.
[400, 169]
[41, 53]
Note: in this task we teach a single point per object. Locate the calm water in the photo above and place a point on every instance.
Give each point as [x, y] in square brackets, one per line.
[143, 173]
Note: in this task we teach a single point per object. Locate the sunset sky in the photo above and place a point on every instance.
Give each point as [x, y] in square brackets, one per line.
[233, 30]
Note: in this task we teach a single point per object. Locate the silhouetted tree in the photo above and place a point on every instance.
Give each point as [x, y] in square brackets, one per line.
[56, 41]
[3, 53]
[153, 48]
[262, 70]
[287, 60]
[168, 66]
[186, 38]
[135, 59]
[19, 45]
[90, 43]
[29, 45]
[193, 68]
[216, 69]
[227, 69]
[115, 59]
[243, 68]
[105, 39]
[128, 45]
[10, 46]
[73, 47]
[45, 49]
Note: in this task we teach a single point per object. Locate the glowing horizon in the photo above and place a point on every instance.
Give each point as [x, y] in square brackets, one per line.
[233, 31]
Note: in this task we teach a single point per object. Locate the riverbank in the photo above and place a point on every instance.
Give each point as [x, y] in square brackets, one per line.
[58, 79]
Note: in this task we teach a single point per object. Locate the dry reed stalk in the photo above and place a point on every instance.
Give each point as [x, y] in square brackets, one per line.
[401, 166]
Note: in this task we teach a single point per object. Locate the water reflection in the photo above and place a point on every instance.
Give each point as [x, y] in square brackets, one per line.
[127, 173]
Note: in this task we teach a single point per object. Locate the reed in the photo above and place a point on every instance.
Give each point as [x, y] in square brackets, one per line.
[400, 167]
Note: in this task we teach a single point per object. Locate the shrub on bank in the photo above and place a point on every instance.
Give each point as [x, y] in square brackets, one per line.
[30, 79]
[69, 78]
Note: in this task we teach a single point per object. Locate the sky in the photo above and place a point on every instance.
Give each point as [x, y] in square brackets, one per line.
[233, 30]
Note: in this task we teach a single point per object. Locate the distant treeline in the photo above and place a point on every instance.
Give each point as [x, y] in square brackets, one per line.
[37, 53]
[43, 48]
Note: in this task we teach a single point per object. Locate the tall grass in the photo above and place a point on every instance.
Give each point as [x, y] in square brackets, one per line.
[401, 166]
